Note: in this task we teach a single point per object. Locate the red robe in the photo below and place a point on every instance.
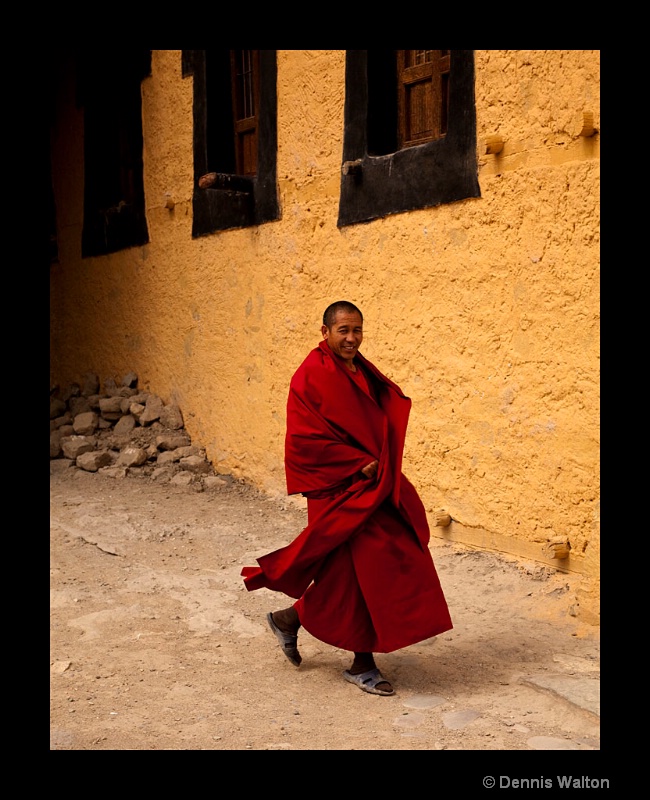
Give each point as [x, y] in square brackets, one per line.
[361, 570]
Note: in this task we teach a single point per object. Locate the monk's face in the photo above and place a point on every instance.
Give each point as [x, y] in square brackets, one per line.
[345, 336]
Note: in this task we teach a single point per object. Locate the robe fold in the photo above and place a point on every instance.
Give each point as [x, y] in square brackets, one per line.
[361, 571]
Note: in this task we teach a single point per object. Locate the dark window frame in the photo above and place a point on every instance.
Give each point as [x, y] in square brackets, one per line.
[109, 91]
[228, 199]
[381, 179]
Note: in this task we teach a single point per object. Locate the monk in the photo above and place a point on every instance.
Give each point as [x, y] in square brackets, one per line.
[361, 572]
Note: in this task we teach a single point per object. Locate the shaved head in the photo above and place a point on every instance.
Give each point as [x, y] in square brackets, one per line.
[329, 317]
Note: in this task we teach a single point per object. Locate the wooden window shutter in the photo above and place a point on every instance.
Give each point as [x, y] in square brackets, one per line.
[423, 95]
[244, 68]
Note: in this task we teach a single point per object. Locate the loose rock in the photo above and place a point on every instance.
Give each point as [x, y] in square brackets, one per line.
[125, 431]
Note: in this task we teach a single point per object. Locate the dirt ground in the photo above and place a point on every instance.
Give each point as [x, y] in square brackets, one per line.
[155, 644]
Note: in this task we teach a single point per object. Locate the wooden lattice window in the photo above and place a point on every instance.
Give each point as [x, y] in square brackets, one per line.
[422, 95]
[244, 72]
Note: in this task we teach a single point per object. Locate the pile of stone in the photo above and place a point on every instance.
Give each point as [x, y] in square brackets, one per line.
[122, 432]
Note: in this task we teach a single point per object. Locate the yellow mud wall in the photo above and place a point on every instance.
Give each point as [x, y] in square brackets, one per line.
[485, 311]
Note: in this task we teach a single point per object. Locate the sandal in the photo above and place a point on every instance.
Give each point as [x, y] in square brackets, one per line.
[367, 681]
[288, 641]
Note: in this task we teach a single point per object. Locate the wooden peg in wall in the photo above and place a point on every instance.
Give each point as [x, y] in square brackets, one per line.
[493, 144]
[586, 124]
[558, 547]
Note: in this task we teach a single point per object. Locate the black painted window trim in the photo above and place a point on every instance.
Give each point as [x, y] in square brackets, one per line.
[427, 175]
[256, 200]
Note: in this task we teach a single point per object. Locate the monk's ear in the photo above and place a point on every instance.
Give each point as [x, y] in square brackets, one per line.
[324, 331]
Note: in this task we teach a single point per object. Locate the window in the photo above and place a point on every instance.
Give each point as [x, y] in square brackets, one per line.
[410, 132]
[114, 204]
[244, 74]
[422, 95]
[235, 138]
